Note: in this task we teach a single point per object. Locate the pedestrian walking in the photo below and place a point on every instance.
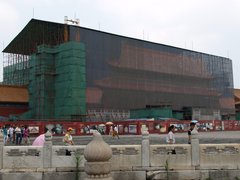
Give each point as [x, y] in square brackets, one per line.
[68, 140]
[11, 130]
[5, 135]
[115, 132]
[26, 134]
[192, 126]
[14, 135]
[18, 135]
[22, 134]
[111, 131]
[170, 139]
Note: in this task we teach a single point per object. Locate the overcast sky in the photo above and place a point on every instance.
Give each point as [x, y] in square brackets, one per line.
[210, 26]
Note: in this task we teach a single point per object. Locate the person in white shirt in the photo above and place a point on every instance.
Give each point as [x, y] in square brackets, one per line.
[170, 139]
[18, 135]
[11, 130]
[115, 131]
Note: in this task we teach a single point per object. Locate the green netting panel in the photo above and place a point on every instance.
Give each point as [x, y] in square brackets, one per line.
[45, 49]
[69, 67]
[134, 114]
[238, 116]
[151, 113]
[57, 85]
[72, 54]
[71, 45]
[162, 112]
[178, 115]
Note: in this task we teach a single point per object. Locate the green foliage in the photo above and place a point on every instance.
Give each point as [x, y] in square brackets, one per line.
[78, 160]
[167, 168]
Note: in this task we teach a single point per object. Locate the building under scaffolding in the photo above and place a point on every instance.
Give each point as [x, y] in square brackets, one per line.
[72, 72]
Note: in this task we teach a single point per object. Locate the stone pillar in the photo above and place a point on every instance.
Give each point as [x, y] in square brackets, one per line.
[97, 154]
[195, 147]
[145, 149]
[47, 150]
[1, 150]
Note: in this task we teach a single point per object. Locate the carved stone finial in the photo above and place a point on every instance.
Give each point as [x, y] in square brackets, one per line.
[145, 148]
[145, 134]
[1, 137]
[97, 150]
[98, 153]
[49, 127]
[48, 136]
[194, 133]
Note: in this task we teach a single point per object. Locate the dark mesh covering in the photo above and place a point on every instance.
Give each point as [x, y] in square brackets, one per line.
[125, 73]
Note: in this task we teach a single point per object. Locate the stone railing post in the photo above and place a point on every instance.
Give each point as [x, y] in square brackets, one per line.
[47, 150]
[1, 150]
[97, 154]
[195, 147]
[145, 149]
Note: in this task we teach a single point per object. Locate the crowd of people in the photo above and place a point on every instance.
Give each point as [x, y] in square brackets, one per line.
[20, 135]
[16, 135]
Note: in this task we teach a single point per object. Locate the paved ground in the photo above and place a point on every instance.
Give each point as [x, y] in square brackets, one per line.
[181, 138]
[216, 137]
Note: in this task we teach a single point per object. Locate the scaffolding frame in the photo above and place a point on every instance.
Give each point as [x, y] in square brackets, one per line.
[127, 66]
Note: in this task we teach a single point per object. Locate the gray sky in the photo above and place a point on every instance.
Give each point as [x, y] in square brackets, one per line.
[210, 26]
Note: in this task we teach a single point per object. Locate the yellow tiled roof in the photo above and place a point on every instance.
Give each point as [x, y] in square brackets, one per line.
[16, 94]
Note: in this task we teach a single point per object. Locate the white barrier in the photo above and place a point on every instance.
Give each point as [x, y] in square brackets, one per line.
[125, 157]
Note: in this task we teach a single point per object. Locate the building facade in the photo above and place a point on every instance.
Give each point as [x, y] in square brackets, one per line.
[13, 102]
[122, 73]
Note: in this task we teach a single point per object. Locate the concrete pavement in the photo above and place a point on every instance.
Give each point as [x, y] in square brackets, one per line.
[216, 137]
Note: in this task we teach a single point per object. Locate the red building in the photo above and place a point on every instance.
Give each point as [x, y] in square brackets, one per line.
[13, 101]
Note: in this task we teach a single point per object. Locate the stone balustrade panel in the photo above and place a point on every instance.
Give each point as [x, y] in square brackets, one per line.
[219, 156]
[60, 159]
[125, 156]
[18, 157]
[163, 155]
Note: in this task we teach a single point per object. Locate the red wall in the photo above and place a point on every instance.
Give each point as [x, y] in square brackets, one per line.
[6, 111]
